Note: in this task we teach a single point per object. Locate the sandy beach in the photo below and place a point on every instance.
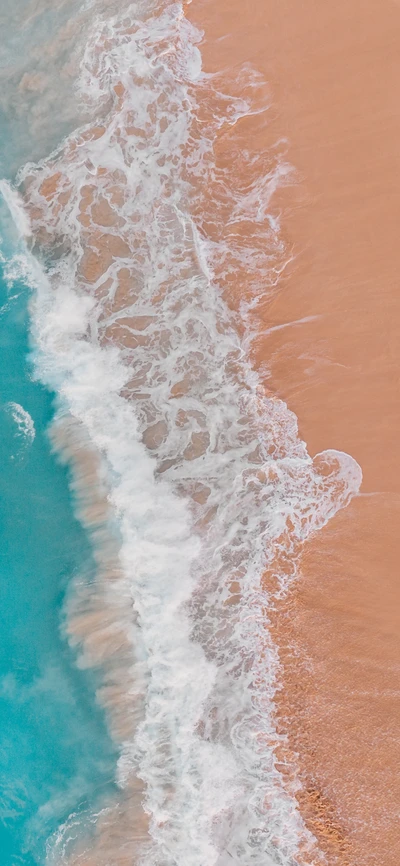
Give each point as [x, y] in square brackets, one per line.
[277, 181]
[334, 77]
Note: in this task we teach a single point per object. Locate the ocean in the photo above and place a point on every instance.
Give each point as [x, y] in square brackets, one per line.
[56, 755]
[156, 495]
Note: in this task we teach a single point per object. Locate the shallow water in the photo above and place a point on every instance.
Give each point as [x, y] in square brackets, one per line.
[56, 756]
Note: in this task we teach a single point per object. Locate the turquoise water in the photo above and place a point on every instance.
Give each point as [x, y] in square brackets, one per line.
[38, 65]
[55, 753]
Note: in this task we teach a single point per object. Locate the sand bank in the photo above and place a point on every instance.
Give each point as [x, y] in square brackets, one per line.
[334, 76]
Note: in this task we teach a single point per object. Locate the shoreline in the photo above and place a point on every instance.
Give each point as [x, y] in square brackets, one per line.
[110, 275]
[223, 592]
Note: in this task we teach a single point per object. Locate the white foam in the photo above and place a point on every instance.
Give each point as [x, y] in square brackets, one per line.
[204, 747]
[23, 420]
[16, 207]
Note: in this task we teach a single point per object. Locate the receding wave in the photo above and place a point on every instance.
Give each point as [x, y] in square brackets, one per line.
[151, 256]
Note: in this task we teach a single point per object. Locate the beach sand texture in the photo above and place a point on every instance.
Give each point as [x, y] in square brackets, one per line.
[334, 73]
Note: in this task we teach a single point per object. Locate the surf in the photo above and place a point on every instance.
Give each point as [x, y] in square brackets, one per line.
[57, 757]
[205, 484]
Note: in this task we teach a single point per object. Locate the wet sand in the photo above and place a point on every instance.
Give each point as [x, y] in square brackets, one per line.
[334, 74]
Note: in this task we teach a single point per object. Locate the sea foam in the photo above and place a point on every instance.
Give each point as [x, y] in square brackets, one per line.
[23, 420]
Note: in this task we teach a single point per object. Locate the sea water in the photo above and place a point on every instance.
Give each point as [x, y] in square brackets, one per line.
[55, 753]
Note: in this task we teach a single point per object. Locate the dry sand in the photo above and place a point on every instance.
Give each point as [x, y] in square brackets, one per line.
[334, 72]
